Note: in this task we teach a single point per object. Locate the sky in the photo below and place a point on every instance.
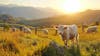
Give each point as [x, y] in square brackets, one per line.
[85, 4]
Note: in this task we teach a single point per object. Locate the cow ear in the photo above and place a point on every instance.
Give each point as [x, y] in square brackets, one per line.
[65, 27]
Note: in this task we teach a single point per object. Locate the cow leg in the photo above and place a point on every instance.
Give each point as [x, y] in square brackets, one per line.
[56, 32]
[73, 41]
[77, 39]
[66, 42]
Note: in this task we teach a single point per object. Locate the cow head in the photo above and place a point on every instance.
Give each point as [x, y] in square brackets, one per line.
[61, 28]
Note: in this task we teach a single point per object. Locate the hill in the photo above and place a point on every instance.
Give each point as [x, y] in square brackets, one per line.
[27, 12]
[88, 16]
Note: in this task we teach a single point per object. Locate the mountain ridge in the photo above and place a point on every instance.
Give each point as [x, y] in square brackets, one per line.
[28, 12]
[88, 16]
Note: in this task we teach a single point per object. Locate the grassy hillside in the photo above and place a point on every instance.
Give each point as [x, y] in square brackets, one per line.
[22, 44]
[89, 16]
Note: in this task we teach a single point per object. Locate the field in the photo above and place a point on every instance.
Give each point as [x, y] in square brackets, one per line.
[23, 44]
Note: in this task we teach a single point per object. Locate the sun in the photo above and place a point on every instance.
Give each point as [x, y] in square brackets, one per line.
[71, 6]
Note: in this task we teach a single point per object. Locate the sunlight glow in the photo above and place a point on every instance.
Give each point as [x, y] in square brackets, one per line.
[71, 6]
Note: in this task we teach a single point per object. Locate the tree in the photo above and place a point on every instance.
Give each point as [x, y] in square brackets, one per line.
[7, 18]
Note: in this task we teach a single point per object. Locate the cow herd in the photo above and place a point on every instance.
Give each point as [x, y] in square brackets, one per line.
[22, 29]
[66, 32]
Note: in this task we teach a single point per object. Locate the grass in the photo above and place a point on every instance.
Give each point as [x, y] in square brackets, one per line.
[22, 44]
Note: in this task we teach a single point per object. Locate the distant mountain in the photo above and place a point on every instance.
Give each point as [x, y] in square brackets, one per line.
[46, 16]
[28, 12]
[89, 16]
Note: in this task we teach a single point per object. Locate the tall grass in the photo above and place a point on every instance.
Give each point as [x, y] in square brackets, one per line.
[22, 44]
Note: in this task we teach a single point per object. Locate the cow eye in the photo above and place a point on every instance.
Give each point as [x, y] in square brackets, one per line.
[56, 27]
[65, 27]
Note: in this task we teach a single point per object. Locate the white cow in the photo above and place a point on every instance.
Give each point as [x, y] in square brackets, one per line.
[26, 30]
[68, 32]
[45, 31]
[14, 29]
[92, 29]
